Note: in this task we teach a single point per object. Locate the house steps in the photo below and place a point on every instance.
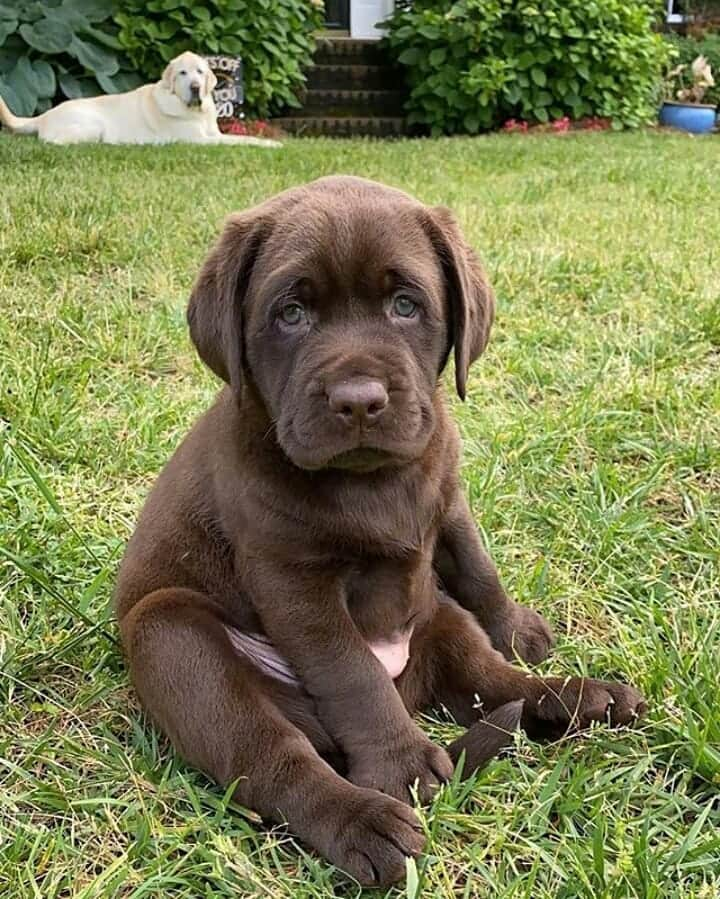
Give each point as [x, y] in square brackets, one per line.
[351, 90]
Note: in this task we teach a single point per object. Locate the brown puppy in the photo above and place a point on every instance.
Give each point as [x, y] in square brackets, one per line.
[306, 573]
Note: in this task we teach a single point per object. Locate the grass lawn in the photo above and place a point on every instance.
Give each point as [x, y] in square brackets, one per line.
[592, 459]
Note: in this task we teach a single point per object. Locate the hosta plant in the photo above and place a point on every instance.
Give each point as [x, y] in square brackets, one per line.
[59, 48]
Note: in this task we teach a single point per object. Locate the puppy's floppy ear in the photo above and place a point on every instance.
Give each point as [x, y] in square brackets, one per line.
[209, 82]
[472, 302]
[215, 309]
[168, 76]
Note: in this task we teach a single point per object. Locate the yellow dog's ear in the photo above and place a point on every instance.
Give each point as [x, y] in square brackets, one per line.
[209, 83]
[168, 76]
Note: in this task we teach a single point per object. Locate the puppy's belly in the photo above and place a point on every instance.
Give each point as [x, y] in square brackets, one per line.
[393, 654]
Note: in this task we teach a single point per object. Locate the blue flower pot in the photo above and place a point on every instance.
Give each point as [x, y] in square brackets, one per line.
[698, 118]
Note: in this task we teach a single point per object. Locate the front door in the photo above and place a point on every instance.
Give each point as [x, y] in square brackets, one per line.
[337, 14]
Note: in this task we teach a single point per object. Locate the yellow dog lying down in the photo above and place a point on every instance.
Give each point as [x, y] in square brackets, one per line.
[179, 107]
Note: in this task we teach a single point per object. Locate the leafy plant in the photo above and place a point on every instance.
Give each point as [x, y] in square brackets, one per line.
[473, 64]
[58, 46]
[689, 85]
[273, 37]
[685, 50]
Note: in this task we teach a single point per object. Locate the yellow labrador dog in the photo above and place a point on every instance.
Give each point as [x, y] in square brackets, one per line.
[178, 108]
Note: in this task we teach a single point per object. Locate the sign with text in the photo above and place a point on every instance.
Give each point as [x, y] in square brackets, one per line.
[228, 93]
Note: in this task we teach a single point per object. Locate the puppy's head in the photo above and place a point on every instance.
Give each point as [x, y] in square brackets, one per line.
[190, 78]
[341, 302]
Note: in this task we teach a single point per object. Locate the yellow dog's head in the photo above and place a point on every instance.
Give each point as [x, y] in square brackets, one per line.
[190, 78]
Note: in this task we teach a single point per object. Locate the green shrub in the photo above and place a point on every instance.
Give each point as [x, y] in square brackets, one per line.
[58, 47]
[273, 37]
[473, 64]
[685, 49]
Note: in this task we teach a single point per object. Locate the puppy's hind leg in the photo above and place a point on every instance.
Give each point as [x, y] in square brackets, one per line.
[453, 665]
[213, 705]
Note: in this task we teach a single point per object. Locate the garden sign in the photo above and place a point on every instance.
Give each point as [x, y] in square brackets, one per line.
[228, 93]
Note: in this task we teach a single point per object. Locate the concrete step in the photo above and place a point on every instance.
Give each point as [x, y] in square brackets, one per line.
[363, 103]
[354, 77]
[348, 51]
[342, 126]
[351, 90]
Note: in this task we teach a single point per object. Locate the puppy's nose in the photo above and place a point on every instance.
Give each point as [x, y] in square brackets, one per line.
[360, 401]
[194, 88]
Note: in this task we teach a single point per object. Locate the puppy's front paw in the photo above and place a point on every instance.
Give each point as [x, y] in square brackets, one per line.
[395, 768]
[574, 704]
[522, 632]
[372, 836]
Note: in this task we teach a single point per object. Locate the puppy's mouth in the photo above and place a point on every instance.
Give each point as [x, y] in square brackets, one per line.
[360, 452]
[361, 460]
[355, 460]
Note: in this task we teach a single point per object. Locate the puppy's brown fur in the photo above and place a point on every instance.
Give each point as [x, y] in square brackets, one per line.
[317, 508]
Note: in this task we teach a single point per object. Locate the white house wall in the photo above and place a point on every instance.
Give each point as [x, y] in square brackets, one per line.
[364, 14]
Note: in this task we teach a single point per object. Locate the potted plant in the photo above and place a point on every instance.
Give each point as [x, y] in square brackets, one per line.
[683, 106]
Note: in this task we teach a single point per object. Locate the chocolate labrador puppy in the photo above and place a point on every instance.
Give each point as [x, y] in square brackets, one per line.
[306, 573]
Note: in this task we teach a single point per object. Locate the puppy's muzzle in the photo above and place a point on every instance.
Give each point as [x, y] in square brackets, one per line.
[360, 401]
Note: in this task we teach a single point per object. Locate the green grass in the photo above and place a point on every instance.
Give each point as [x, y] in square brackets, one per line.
[592, 459]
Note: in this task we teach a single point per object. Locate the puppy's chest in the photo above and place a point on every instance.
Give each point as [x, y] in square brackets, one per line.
[386, 597]
[387, 600]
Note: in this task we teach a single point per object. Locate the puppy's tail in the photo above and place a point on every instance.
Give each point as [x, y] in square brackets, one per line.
[17, 124]
[486, 738]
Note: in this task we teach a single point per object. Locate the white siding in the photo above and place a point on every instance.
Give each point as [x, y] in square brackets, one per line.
[364, 14]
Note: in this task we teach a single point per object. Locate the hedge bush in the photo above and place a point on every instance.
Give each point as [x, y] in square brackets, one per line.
[686, 49]
[274, 38]
[59, 49]
[473, 64]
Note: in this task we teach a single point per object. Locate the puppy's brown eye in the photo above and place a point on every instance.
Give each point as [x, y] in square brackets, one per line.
[404, 306]
[293, 314]
[183, 71]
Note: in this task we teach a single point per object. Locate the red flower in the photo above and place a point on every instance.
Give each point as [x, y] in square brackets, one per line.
[514, 125]
[595, 123]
